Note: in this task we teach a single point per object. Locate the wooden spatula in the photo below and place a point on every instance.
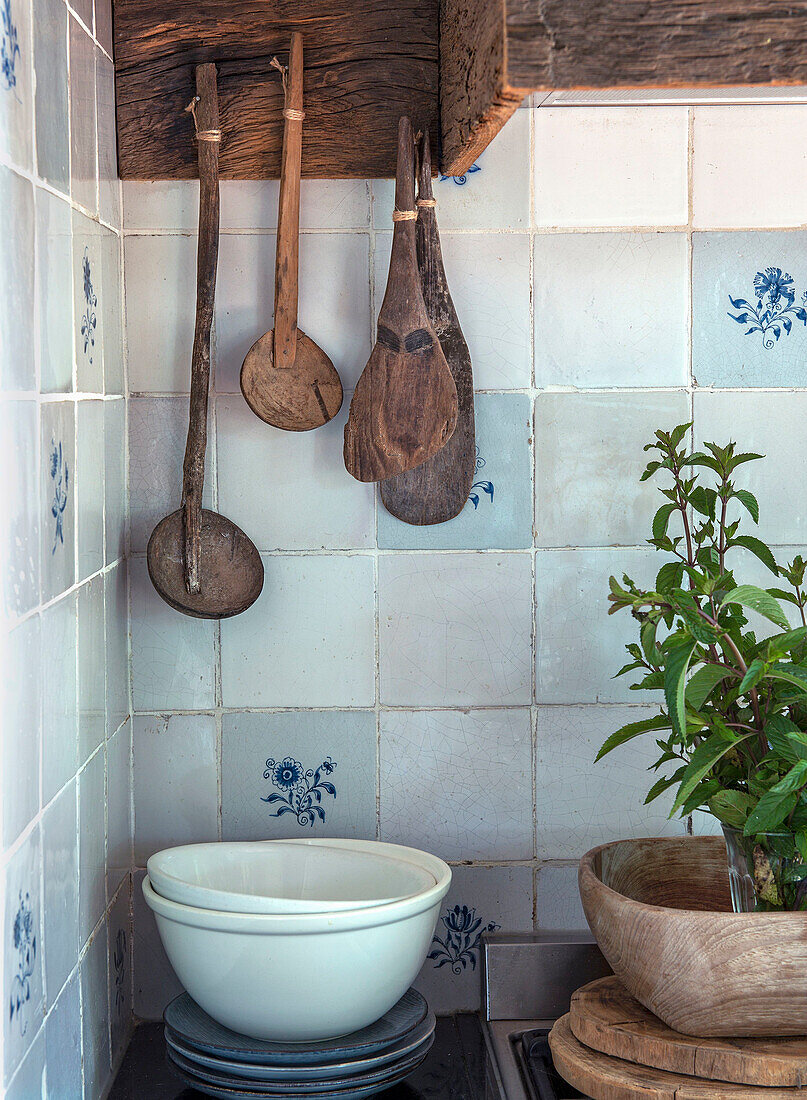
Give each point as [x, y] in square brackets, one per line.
[438, 489]
[286, 379]
[404, 407]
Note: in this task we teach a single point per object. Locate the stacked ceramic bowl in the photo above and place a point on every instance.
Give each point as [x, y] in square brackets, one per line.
[298, 942]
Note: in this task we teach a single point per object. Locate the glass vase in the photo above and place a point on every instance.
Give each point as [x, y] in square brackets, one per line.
[767, 873]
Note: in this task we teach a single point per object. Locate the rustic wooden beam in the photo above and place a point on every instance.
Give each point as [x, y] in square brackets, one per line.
[367, 62]
[494, 52]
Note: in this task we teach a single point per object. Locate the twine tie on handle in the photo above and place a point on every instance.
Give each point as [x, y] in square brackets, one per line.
[404, 215]
[288, 112]
[427, 202]
[201, 135]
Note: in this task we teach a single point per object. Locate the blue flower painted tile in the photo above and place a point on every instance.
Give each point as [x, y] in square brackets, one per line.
[749, 301]
[87, 305]
[16, 96]
[481, 900]
[302, 774]
[120, 974]
[22, 951]
[57, 503]
[498, 514]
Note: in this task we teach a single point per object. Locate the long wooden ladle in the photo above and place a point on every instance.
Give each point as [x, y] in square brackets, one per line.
[201, 563]
[286, 379]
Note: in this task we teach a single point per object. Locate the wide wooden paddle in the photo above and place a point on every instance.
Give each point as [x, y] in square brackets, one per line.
[404, 407]
[438, 489]
[286, 379]
[201, 563]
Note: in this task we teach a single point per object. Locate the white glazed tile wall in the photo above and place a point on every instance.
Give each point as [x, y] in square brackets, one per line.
[461, 675]
[64, 649]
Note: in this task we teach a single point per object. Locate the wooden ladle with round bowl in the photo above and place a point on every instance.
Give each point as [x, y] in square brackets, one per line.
[287, 380]
[200, 562]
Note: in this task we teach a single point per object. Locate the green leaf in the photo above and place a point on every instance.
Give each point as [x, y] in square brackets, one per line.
[738, 460]
[753, 674]
[669, 577]
[703, 759]
[675, 677]
[631, 730]
[791, 674]
[780, 644]
[731, 807]
[779, 732]
[750, 502]
[801, 844]
[702, 683]
[757, 599]
[703, 501]
[770, 812]
[794, 780]
[648, 638]
[661, 520]
[758, 549]
[658, 788]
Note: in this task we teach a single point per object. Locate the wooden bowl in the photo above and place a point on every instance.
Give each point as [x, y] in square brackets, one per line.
[660, 911]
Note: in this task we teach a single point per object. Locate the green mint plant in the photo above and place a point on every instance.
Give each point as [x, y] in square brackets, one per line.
[735, 705]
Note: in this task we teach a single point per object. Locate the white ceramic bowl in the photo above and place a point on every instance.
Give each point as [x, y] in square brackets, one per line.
[290, 876]
[298, 977]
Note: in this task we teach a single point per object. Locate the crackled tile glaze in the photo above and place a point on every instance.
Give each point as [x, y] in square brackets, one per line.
[458, 783]
[581, 804]
[454, 631]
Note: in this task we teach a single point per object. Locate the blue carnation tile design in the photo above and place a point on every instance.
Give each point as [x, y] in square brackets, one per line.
[89, 320]
[25, 948]
[498, 514]
[60, 476]
[775, 309]
[460, 181]
[9, 48]
[301, 791]
[289, 773]
[750, 309]
[458, 943]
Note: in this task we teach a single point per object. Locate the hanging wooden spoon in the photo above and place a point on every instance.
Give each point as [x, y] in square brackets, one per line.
[201, 563]
[438, 489]
[404, 407]
[286, 379]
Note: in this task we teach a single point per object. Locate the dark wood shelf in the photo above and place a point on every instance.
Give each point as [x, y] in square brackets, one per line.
[458, 67]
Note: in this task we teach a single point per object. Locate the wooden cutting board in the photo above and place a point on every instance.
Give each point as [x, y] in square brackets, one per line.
[605, 1018]
[604, 1078]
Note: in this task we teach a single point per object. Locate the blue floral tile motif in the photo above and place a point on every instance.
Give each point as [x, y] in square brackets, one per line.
[118, 960]
[303, 789]
[60, 476]
[480, 486]
[459, 946]
[498, 512]
[9, 48]
[463, 179]
[89, 320]
[25, 946]
[775, 308]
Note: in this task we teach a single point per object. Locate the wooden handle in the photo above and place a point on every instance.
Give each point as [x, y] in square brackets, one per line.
[402, 310]
[193, 471]
[288, 216]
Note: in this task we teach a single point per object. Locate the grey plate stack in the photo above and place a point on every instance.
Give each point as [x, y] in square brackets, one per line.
[222, 1063]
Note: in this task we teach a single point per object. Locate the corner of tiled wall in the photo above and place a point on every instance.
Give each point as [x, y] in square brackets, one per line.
[456, 681]
[66, 737]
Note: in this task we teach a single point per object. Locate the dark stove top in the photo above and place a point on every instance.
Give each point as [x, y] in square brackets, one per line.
[455, 1068]
[535, 1059]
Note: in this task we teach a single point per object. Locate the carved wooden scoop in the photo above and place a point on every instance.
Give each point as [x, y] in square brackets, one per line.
[404, 407]
[438, 489]
[286, 379]
[201, 563]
